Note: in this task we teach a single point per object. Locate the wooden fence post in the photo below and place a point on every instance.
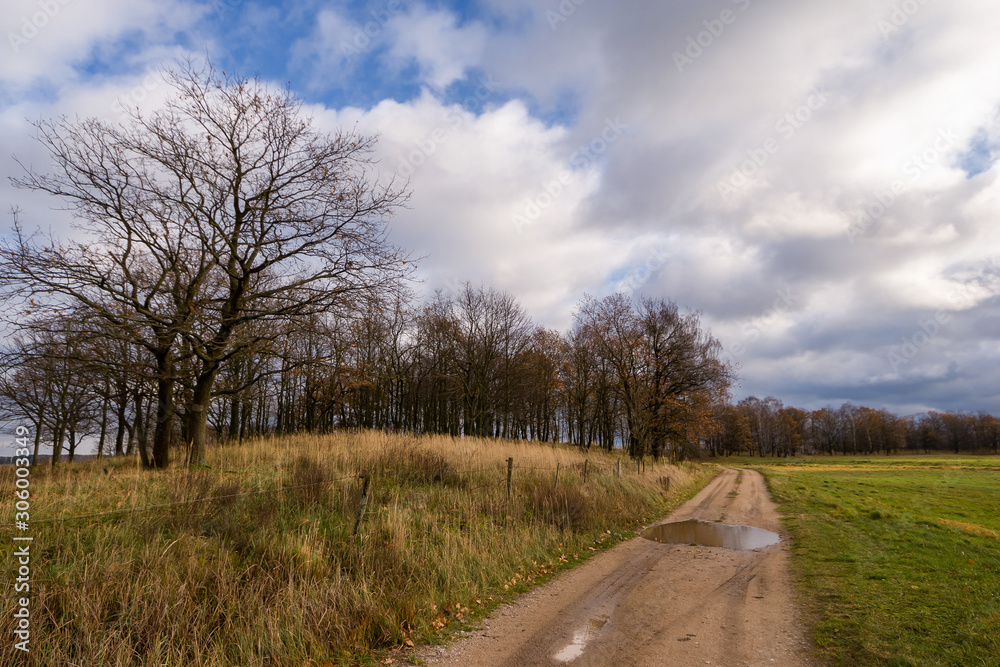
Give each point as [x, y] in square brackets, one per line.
[510, 472]
[585, 463]
[363, 503]
[556, 487]
[619, 467]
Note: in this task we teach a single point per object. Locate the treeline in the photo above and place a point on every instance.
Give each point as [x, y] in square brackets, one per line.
[232, 275]
[766, 427]
[639, 375]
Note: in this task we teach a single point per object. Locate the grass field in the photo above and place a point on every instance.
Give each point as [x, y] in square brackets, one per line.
[898, 557]
[254, 560]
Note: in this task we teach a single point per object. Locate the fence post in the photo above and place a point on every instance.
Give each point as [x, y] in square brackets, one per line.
[363, 503]
[585, 463]
[556, 487]
[510, 472]
[619, 467]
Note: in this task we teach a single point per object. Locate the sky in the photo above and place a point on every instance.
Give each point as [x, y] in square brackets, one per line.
[819, 180]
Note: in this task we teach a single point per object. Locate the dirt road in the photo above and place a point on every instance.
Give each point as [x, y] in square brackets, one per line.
[646, 603]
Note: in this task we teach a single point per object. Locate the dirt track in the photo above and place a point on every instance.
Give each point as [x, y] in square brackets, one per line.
[646, 603]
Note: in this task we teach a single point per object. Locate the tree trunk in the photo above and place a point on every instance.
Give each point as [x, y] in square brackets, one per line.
[198, 415]
[104, 425]
[234, 419]
[163, 433]
[120, 433]
[57, 440]
[38, 435]
[138, 433]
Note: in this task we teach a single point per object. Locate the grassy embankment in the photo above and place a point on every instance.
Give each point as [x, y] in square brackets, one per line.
[253, 561]
[898, 557]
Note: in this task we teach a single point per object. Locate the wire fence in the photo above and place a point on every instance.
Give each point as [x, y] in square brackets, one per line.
[586, 467]
[191, 501]
[505, 477]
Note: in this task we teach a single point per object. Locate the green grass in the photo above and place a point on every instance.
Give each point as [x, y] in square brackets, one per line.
[253, 561]
[898, 558]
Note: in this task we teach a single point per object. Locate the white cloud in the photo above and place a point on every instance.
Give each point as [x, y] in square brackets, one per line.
[46, 40]
[332, 50]
[471, 175]
[397, 34]
[904, 106]
[442, 49]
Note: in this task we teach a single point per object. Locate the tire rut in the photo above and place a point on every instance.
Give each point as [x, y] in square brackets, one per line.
[657, 604]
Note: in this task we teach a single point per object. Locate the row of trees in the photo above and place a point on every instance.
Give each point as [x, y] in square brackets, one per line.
[642, 376]
[215, 225]
[232, 274]
[766, 427]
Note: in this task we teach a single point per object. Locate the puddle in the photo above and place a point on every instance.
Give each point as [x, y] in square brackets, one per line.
[708, 534]
[580, 638]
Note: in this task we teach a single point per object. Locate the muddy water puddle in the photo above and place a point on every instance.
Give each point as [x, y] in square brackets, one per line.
[581, 638]
[708, 534]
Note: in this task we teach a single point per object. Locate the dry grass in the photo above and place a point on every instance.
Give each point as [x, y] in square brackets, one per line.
[253, 561]
[970, 528]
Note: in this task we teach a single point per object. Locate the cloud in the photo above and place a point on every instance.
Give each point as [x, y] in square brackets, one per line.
[442, 49]
[46, 42]
[471, 174]
[334, 47]
[396, 36]
[819, 179]
[904, 108]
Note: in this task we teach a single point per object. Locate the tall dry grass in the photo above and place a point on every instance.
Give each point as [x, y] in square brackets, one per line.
[253, 560]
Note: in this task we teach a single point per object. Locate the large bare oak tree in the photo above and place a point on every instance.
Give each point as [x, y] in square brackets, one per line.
[224, 208]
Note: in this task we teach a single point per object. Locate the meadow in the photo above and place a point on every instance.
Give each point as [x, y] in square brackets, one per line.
[260, 557]
[897, 558]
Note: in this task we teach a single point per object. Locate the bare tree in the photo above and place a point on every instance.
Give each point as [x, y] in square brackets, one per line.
[50, 380]
[613, 330]
[25, 390]
[224, 208]
[667, 372]
[685, 377]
